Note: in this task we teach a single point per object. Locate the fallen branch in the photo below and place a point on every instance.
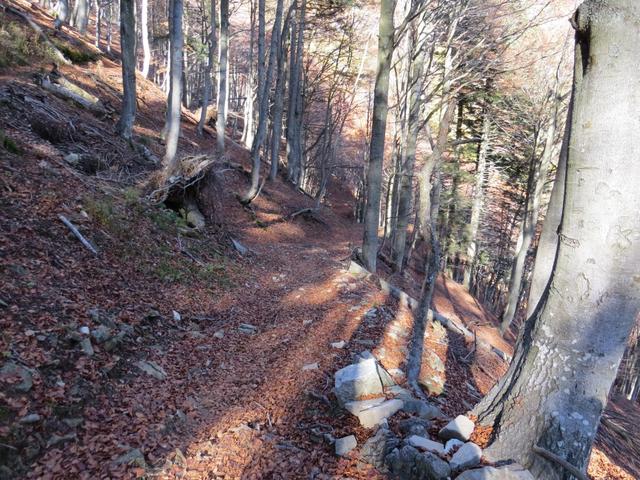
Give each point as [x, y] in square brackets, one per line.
[560, 461]
[78, 235]
[68, 94]
[59, 55]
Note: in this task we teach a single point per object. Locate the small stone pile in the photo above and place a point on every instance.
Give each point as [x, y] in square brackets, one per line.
[366, 390]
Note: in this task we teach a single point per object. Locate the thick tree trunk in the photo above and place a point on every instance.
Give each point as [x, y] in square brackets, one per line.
[223, 74]
[571, 347]
[478, 200]
[248, 129]
[144, 34]
[99, 23]
[128, 58]
[378, 132]
[63, 10]
[295, 103]
[80, 16]
[208, 81]
[175, 90]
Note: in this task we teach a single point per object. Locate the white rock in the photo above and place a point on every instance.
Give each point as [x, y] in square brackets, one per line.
[152, 368]
[425, 444]
[340, 344]
[460, 427]
[85, 330]
[375, 415]
[31, 418]
[219, 334]
[468, 456]
[176, 316]
[357, 406]
[345, 445]
[357, 380]
[311, 366]
[451, 444]
[508, 472]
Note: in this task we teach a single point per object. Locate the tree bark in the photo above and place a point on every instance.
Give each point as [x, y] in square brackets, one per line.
[172, 127]
[144, 34]
[295, 102]
[223, 74]
[208, 81]
[378, 132]
[80, 16]
[128, 58]
[571, 347]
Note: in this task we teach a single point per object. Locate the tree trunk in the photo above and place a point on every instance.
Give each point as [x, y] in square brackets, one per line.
[128, 58]
[248, 130]
[63, 10]
[144, 33]
[261, 132]
[295, 104]
[175, 90]
[99, 23]
[223, 74]
[378, 132]
[80, 16]
[571, 346]
[208, 81]
[478, 200]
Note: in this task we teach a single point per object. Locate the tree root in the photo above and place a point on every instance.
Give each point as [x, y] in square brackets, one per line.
[560, 461]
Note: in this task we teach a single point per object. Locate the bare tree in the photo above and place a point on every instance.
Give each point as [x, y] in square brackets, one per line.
[208, 81]
[223, 74]
[175, 89]
[144, 35]
[128, 57]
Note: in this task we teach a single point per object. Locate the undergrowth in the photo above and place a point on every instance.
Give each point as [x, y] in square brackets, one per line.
[19, 46]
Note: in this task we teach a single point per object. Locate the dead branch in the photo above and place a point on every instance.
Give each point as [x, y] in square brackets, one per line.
[68, 94]
[78, 235]
[560, 461]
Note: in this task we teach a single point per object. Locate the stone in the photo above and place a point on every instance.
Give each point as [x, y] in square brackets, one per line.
[133, 457]
[414, 426]
[460, 427]
[357, 406]
[59, 440]
[176, 316]
[345, 444]
[311, 366]
[376, 448]
[431, 466]
[248, 328]
[219, 334]
[73, 422]
[507, 472]
[31, 418]
[433, 383]
[357, 380]
[451, 444]
[339, 345]
[152, 368]
[84, 330]
[397, 373]
[72, 158]
[386, 379]
[425, 444]
[101, 334]
[468, 456]
[115, 341]
[422, 409]
[408, 463]
[365, 355]
[398, 391]
[373, 416]
[86, 346]
[10, 371]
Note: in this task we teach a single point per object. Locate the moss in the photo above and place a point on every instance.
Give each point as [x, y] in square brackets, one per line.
[76, 55]
[8, 144]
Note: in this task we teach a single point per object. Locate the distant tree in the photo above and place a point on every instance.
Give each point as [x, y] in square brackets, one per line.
[144, 35]
[223, 74]
[128, 58]
[557, 385]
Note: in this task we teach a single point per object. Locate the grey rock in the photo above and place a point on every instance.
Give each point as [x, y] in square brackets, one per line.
[339, 345]
[241, 249]
[507, 472]
[176, 316]
[357, 406]
[86, 346]
[408, 463]
[401, 393]
[11, 370]
[468, 456]
[72, 158]
[422, 409]
[433, 383]
[219, 334]
[31, 418]
[248, 328]
[311, 366]
[345, 444]
[115, 341]
[397, 373]
[366, 342]
[425, 444]
[101, 334]
[84, 330]
[460, 427]
[431, 466]
[414, 426]
[73, 422]
[433, 360]
[152, 368]
[386, 379]
[451, 444]
[357, 380]
[133, 457]
[376, 448]
[59, 440]
[373, 416]
[365, 355]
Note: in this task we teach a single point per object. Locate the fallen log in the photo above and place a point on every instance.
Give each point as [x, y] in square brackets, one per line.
[85, 100]
[78, 235]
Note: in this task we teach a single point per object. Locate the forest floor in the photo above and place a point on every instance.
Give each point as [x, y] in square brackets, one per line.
[222, 399]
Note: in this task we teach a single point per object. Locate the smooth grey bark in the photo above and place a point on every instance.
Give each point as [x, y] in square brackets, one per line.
[571, 347]
[63, 10]
[248, 128]
[172, 127]
[295, 101]
[478, 199]
[208, 81]
[378, 132]
[124, 126]
[80, 16]
[261, 132]
[144, 34]
[99, 23]
[223, 74]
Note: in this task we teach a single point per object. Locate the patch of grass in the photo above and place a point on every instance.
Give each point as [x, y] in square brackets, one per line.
[76, 55]
[101, 210]
[168, 272]
[8, 144]
[19, 45]
[167, 220]
[131, 196]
